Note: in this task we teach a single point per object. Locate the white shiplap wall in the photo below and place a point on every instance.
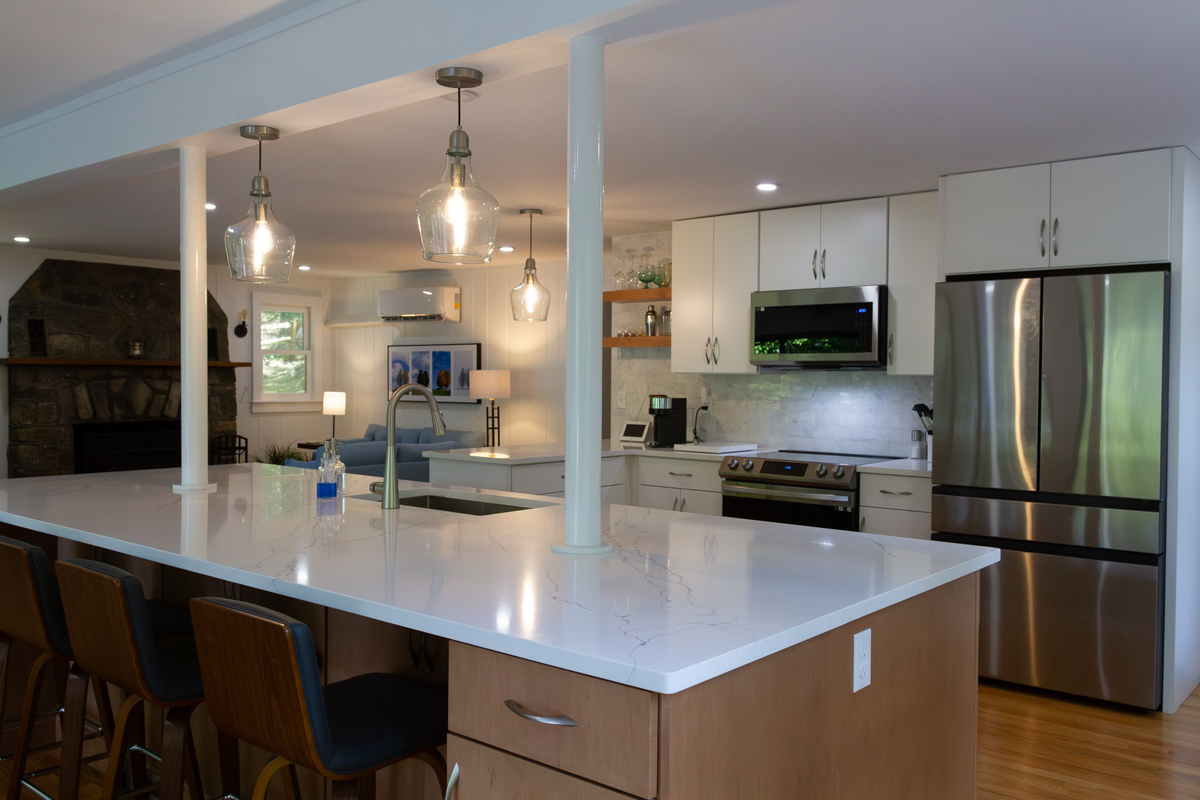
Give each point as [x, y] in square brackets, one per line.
[534, 352]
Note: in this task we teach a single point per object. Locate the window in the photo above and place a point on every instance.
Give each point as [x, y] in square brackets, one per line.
[283, 352]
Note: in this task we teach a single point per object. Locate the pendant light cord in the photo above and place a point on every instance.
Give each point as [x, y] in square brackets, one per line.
[460, 105]
[531, 235]
[260, 154]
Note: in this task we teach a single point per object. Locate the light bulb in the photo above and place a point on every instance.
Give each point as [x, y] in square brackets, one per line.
[260, 248]
[530, 300]
[458, 217]
[264, 242]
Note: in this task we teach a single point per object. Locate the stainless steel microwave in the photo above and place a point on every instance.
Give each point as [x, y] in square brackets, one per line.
[836, 328]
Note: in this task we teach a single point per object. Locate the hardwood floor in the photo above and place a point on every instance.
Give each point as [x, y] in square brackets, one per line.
[1032, 746]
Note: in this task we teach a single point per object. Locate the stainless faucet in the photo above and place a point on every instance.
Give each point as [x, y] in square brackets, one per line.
[391, 496]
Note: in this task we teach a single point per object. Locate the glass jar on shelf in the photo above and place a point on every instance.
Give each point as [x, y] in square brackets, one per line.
[664, 273]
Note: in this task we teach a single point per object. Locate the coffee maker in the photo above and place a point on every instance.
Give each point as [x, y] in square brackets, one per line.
[670, 420]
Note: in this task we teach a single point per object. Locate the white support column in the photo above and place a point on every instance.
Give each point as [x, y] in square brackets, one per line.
[585, 283]
[193, 301]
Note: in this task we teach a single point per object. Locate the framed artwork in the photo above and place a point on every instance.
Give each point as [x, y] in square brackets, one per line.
[441, 368]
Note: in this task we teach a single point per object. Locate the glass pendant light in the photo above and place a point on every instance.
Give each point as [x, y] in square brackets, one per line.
[530, 300]
[458, 217]
[260, 248]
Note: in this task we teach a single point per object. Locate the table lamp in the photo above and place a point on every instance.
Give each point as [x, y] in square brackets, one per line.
[491, 384]
[334, 405]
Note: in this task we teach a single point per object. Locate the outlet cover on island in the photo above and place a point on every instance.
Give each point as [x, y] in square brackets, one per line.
[862, 659]
[620, 399]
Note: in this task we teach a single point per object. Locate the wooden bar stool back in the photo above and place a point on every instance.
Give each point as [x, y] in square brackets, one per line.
[31, 612]
[263, 685]
[147, 650]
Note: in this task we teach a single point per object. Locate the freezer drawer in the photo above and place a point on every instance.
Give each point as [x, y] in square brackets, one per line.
[1049, 523]
[1074, 625]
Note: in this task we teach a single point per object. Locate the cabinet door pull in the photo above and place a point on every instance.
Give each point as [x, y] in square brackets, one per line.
[891, 347]
[675, 505]
[525, 713]
[862, 523]
[707, 344]
[822, 265]
[1054, 237]
[898, 494]
[452, 782]
[814, 265]
[564, 477]
[683, 505]
[717, 350]
[1042, 237]
[680, 474]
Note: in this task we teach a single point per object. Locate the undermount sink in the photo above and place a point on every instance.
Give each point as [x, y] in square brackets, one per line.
[460, 502]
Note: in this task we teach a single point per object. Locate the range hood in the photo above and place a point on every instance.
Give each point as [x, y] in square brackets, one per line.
[421, 304]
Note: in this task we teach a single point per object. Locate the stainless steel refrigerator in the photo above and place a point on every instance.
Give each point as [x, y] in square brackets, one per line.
[1049, 412]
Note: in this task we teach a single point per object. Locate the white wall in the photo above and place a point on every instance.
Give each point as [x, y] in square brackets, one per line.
[534, 352]
[18, 263]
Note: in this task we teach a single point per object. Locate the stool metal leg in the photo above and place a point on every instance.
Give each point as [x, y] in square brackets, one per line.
[33, 688]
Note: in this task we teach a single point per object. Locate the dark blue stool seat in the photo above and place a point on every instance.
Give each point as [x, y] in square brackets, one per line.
[254, 660]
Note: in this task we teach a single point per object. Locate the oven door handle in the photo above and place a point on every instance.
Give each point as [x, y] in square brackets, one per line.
[788, 495]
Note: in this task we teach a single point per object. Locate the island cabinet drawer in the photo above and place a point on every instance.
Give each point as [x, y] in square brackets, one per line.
[679, 474]
[900, 492]
[486, 773]
[614, 741]
[552, 477]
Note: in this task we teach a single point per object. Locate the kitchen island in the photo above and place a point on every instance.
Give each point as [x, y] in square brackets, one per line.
[704, 657]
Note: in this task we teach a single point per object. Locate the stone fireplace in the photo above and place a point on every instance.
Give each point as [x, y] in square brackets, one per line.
[70, 329]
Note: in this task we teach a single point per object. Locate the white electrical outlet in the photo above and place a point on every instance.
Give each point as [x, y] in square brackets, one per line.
[862, 659]
[620, 399]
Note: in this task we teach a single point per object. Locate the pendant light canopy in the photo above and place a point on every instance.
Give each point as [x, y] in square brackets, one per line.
[530, 300]
[458, 217]
[260, 248]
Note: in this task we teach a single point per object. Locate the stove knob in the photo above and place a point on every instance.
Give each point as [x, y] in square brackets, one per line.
[733, 463]
[749, 464]
[822, 470]
[840, 472]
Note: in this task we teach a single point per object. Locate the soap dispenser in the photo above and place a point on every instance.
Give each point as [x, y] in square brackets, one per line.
[331, 474]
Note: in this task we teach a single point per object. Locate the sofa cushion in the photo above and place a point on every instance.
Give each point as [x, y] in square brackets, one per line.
[376, 432]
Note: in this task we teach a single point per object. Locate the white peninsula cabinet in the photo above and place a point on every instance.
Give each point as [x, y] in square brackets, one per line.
[714, 271]
[1090, 211]
[834, 244]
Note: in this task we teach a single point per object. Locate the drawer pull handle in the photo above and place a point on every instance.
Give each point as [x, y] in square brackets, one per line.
[525, 713]
[899, 494]
[675, 505]
[452, 782]
[680, 474]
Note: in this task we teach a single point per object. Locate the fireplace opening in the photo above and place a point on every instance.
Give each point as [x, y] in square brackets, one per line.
[119, 446]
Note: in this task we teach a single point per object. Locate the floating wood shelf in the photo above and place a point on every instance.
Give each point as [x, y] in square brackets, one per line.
[111, 362]
[637, 295]
[637, 341]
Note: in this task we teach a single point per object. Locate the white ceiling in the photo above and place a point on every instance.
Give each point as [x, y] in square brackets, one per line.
[833, 99]
[52, 51]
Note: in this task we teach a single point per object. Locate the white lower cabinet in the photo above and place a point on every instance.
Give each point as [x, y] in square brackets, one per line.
[890, 522]
[697, 502]
[678, 484]
[660, 497]
[895, 505]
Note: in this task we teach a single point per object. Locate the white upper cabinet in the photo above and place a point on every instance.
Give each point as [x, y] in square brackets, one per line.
[836, 244]
[997, 220]
[854, 243]
[714, 270]
[1106, 210]
[911, 280]
[692, 295]
[735, 276]
[1111, 210]
[790, 241]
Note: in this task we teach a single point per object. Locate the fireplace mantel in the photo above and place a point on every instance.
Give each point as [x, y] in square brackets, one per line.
[112, 362]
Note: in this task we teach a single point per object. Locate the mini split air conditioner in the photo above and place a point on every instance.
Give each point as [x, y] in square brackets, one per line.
[435, 304]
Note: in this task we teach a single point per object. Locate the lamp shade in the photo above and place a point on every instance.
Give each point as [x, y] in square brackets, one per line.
[490, 383]
[334, 404]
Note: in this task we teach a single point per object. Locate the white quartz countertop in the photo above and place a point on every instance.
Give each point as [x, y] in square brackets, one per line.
[912, 467]
[681, 599]
[521, 454]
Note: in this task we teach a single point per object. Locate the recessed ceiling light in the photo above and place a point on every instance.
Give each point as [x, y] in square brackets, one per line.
[508, 248]
[767, 187]
[304, 267]
[21, 239]
[210, 206]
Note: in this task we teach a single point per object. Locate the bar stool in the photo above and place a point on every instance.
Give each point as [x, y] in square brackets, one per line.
[147, 650]
[264, 686]
[31, 612]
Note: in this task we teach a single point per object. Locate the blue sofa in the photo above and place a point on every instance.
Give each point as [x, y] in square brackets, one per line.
[365, 455]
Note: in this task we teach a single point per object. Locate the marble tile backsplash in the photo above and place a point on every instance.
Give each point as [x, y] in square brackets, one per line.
[841, 412]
